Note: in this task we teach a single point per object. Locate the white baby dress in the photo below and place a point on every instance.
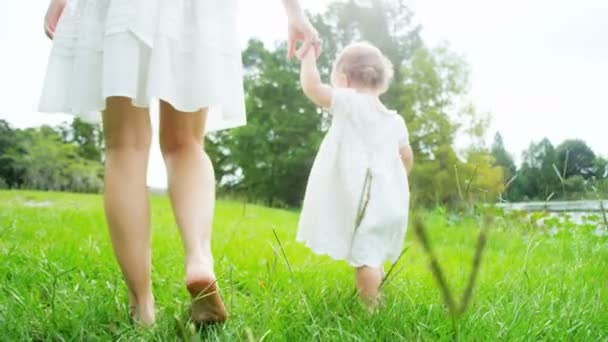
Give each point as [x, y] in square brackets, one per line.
[185, 52]
[358, 170]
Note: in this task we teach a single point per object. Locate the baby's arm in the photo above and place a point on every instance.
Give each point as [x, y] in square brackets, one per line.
[310, 80]
[407, 157]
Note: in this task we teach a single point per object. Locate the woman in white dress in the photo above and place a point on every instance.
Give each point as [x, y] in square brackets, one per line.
[357, 198]
[114, 57]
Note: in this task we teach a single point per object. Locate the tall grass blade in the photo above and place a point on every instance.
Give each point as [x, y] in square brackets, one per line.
[470, 181]
[364, 199]
[304, 299]
[420, 230]
[559, 175]
[458, 183]
[603, 211]
[479, 248]
[385, 279]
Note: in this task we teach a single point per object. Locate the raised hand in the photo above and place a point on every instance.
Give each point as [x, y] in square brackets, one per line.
[53, 13]
[301, 30]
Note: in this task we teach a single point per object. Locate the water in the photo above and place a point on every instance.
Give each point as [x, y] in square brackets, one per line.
[577, 212]
[558, 206]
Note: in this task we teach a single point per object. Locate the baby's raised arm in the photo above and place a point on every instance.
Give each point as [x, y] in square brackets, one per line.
[310, 79]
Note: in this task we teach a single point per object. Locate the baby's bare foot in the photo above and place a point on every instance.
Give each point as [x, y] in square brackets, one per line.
[374, 303]
[207, 304]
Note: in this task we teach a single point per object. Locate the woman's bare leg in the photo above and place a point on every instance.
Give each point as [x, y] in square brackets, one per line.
[192, 192]
[128, 134]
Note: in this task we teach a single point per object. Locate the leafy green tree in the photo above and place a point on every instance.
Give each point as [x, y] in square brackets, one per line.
[575, 187]
[47, 163]
[503, 158]
[429, 89]
[435, 182]
[574, 157]
[537, 178]
[387, 24]
[600, 168]
[86, 136]
[269, 159]
[8, 141]
[484, 180]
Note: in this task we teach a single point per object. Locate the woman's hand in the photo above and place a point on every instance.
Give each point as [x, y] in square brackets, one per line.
[53, 13]
[301, 30]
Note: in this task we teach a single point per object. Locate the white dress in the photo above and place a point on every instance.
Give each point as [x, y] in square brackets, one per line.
[357, 198]
[185, 52]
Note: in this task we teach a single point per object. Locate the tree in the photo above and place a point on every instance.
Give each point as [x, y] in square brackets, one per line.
[87, 137]
[484, 179]
[8, 141]
[429, 89]
[269, 159]
[537, 178]
[387, 24]
[47, 163]
[574, 157]
[502, 158]
[600, 168]
[434, 182]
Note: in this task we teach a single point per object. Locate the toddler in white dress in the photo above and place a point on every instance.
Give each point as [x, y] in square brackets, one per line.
[356, 203]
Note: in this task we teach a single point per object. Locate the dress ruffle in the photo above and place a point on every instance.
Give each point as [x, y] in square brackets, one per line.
[185, 52]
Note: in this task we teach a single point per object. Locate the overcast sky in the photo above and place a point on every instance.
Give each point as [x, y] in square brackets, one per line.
[538, 66]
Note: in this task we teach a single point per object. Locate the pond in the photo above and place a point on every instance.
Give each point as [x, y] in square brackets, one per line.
[557, 213]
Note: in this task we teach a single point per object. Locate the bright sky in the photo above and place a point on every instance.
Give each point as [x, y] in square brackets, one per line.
[540, 67]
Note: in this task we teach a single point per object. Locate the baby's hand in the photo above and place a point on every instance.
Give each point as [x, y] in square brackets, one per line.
[310, 49]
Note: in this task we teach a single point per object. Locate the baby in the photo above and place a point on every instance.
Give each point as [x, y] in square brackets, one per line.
[356, 203]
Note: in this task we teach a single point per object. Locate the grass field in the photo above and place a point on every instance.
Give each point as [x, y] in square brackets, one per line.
[59, 280]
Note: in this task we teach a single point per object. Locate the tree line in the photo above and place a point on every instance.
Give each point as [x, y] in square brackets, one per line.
[268, 160]
[570, 170]
[63, 158]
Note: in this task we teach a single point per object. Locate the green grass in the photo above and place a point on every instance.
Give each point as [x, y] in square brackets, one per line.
[59, 280]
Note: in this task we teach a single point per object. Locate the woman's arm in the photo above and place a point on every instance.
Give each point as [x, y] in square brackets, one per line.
[292, 7]
[407, 157]
[53, 13]
[310, 79]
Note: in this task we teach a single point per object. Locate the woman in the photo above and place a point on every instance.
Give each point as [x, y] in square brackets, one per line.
[114, 57]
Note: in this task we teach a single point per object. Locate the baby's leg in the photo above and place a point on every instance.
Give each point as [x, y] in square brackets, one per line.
[127, 133]
[192, 192]
[368, 284]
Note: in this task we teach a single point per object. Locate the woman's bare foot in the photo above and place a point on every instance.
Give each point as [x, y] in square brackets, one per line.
[143, 314]
[207, 305]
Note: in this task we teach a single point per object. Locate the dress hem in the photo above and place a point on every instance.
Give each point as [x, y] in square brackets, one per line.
[336, 257]
[94, 116]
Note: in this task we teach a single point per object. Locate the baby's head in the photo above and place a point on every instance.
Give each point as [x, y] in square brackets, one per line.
[362, 66]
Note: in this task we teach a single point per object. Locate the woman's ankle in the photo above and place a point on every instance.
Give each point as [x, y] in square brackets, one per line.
[199, 266]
